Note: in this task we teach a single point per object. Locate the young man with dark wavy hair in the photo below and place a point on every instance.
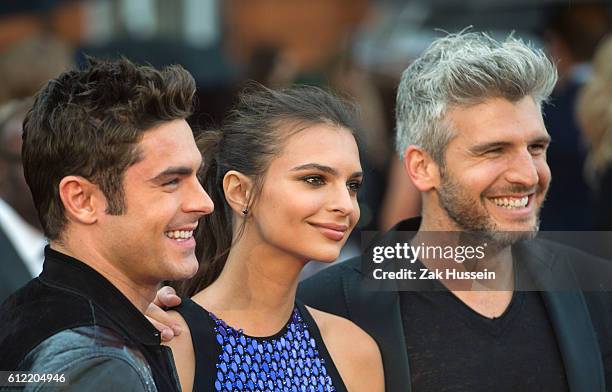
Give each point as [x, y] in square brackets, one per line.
[112, 166]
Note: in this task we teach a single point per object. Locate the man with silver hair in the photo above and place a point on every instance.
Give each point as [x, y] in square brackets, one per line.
[472, 139]
[468, 103]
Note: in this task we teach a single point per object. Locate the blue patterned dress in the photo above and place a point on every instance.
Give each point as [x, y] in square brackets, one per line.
[294, 359]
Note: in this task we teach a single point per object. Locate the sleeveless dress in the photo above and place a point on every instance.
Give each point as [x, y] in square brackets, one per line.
[295, 359]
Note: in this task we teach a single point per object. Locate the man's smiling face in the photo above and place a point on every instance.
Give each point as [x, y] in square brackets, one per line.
[153, 240]
[495, 176]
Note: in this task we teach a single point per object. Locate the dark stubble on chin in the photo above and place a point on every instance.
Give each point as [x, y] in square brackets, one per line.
[471, 218]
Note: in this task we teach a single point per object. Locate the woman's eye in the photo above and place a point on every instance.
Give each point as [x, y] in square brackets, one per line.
[354, 186]
[314, 180]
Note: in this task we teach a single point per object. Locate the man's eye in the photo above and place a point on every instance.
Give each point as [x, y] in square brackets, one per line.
[314, 180]
[494, 151]
[171, 182]
[537, 148]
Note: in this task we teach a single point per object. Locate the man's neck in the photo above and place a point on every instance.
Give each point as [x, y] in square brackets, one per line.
[139, 294]
[439, 229]
[489, 298]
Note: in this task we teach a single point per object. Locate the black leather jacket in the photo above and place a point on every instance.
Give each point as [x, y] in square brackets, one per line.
[72, 321]
[92, 358]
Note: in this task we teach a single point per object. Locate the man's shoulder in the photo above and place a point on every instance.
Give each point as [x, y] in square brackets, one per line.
[332, 277]
[37, 290]
[39, 303]
[343, 269]
[553, 247]
[38, 311]
[91, 357]
[76, 344]
[593, 273]
[326, 289]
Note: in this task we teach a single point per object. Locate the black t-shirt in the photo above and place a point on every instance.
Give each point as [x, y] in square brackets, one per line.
[453, 348]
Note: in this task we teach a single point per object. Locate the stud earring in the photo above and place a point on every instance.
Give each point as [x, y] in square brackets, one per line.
[245, 211]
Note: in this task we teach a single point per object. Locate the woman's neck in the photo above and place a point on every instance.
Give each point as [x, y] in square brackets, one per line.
[256, 289]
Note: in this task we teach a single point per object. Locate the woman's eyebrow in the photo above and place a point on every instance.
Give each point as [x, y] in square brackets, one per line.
[316, 166]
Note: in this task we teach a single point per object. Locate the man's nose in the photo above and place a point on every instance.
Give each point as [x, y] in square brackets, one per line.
[199, 201]
[523, 170]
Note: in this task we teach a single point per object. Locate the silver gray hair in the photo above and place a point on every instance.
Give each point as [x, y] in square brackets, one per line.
[464, 69]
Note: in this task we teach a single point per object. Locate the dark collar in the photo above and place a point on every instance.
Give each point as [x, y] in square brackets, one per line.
[411, 224]
[74, 275]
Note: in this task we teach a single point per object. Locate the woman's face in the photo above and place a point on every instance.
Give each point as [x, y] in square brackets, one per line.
[308, 203]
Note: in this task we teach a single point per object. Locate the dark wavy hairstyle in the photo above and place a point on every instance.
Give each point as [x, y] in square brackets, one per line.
[252, 135]
[88, 122]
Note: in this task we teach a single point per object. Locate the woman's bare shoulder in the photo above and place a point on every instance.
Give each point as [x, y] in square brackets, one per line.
[182, 351]
[354, 352]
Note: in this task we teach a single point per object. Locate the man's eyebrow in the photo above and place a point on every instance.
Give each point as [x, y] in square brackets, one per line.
[544, 139]
[173, 171]
[323, 168]
[481, 148]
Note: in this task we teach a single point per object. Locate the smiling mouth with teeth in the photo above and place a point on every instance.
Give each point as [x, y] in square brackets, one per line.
[511, 202]
[179, 235]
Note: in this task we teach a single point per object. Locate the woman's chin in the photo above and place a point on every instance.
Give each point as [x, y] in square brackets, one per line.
[327, 257]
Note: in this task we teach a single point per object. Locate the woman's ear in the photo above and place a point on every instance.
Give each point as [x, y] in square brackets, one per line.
[238, 189]
[421, 168]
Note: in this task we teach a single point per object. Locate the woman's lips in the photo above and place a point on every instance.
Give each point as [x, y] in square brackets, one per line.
[332, 231]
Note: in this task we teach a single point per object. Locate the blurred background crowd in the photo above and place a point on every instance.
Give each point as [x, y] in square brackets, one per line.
[358, 48]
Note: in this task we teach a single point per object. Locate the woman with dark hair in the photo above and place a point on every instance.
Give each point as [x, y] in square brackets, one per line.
[284, 174]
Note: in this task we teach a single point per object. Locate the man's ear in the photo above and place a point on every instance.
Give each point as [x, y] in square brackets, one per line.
[83, 200]
[422, 169]
[238, 189]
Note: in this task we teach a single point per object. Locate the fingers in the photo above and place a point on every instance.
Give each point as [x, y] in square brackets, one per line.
[166, 298]
[167, 334]
[162, 321]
